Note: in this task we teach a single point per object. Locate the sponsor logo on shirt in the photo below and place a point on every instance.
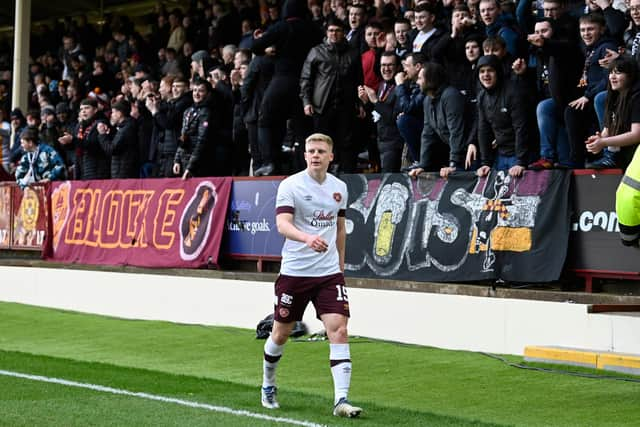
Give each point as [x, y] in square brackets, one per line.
[321, 219]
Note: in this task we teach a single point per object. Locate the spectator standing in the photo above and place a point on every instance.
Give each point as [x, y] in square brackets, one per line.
[501, 24]
[410, 104]
[371, 57]
[357, 21]
[172, 65]
[329, 84]
[195, 154]
[252, 91]
[501, 115]
[383, 101]
[177, 35]
[443, 146]
[428, 35]
[553, 135]
[293, 37]
[450, 48]
[241, 159]
[91, 162]
[18, 125]
[222, 102]
[66, 125]
[167, 111]
[615, 21]
[558, 51]
[49, 129]
[120, 142]
[402, 32]
[632, 35]
[70, 48]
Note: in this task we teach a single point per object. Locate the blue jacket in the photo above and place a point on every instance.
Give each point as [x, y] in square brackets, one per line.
[410, 99]
[45, 162]
[506, 27]
[597, 76]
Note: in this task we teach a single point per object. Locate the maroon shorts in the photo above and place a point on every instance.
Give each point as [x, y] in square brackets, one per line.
[327, 293]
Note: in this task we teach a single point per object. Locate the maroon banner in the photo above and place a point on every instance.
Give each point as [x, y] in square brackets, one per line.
[146, 223]
[29, 217]
[5, 215]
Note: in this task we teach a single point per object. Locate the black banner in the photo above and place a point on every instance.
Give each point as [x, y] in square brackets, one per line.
[595, 242]
[461, 229]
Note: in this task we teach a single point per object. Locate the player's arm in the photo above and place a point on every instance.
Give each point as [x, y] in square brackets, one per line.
[341, 238]
[284, 222]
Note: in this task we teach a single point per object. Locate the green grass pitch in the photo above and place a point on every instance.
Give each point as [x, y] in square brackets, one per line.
[395, 384]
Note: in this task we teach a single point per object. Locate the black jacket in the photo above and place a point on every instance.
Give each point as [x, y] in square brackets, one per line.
[387, 108]
[450, 52]
[616, 22]
[429, 47]
[358, 41]
[502, 115]
[91, 160]
[167, 123]
[195, 146]
[564, 59]
[444, 122]
[122, 145]
[330, 76]
[254, 85]
[293, 37]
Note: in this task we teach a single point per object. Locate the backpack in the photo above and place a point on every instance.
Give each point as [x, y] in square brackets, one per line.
[266, 325]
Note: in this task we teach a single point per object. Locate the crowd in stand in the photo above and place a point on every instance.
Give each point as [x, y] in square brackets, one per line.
[219, 89]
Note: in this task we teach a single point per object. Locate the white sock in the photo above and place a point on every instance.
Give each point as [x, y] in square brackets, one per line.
[272, 354]
[340, 359]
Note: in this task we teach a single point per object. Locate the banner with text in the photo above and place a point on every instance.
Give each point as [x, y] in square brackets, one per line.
[595, 239]
[461, 229]
[251, 221]
[147, 223]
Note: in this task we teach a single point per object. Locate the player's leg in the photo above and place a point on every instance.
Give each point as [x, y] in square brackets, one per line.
[273, 348]
[291, 301]
[340, 361]
[332, 306]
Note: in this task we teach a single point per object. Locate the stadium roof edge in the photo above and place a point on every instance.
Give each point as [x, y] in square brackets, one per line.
[45, 10]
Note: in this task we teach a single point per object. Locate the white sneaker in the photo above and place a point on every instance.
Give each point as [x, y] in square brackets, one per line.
[269, 397]
[345, 409]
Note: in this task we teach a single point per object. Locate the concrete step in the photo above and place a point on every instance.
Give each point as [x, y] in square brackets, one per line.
[618, 362]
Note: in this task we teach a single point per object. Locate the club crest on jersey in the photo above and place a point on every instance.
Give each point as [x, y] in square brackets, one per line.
[286, 299]
[337, 197]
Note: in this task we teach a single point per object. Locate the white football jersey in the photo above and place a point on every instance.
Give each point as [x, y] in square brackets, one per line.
[315, 209]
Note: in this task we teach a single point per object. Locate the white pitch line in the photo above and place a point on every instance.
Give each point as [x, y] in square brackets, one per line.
[165, 399]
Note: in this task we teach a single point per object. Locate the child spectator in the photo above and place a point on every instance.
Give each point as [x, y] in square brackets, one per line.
[40, 163]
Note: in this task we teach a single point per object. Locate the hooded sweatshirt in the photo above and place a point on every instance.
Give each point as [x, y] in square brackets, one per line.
[501, 115]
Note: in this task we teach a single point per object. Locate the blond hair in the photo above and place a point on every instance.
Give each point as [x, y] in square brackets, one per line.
[319, 137]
